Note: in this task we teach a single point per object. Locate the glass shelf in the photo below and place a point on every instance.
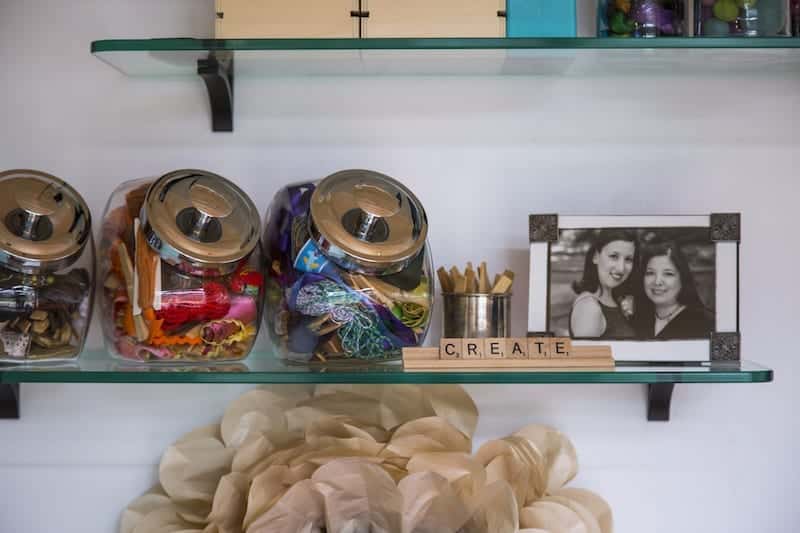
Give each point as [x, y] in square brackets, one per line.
[99, 367]
[456, 56]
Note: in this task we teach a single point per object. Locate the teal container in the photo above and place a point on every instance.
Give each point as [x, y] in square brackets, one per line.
[541, 18]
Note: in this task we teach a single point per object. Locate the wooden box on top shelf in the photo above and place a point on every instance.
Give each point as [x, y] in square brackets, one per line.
[277, 19]
[250, 19]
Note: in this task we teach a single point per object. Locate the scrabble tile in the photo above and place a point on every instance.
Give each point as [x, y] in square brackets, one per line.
[451, 348]
[516, 348]
[538, 347]
[473, 349]
[560, 346]
[495, 348]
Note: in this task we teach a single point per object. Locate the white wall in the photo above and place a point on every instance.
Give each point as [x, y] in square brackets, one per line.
[481, 154]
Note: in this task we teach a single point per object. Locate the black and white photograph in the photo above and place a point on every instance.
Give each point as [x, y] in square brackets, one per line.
[633, 283]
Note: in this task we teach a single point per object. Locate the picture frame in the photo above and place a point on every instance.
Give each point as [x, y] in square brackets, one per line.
[560, 244]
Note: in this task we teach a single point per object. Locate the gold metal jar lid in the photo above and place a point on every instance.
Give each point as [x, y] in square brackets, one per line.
[366, 220]
[44, 223]
[199, 221]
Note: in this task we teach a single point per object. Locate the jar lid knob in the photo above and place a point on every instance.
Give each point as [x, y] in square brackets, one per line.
[35, 205]
[209, 205]
[375, 203]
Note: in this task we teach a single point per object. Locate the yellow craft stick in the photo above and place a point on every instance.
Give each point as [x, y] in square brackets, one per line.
[126, 265]
[470, 281]
[503, 285]
[459, 283]
[483, 279]
[444, 280]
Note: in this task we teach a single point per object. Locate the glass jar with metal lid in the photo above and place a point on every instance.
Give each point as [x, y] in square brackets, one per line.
[348, 269]
[642, 18]
[46, 268]
[741, 18]
[181, 266]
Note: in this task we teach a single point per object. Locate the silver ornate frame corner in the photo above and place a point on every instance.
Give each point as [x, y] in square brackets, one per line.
[543, 228]
[725, 227]
[725, 346]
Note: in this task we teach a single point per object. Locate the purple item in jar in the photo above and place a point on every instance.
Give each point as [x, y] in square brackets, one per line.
[653, 19]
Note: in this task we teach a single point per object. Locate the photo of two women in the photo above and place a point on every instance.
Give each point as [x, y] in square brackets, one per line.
[633, 283]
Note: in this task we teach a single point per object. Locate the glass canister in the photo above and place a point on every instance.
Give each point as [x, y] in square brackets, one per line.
[641, 18]
[740, 18]
[46, 268]
[348, 269]
[181, 263]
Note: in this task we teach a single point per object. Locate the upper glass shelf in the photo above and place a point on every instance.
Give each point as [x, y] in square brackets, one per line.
[99, 367]
[461, 56]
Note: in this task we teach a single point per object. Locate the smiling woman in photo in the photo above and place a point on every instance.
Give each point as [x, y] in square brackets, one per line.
[672, 308]
[605, 289]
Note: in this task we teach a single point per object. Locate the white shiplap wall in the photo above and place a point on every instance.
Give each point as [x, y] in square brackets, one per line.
[482, 154]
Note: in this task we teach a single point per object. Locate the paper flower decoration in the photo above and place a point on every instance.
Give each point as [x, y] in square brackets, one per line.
[384, 459]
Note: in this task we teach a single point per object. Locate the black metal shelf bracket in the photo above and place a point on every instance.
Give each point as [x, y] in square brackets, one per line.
[659, 400]
[217, 73]
[9, 400]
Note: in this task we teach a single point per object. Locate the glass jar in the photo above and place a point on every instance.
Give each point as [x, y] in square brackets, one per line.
[181, 263]
[641, 18]
[46, 268]
[740, 18]
[348, 269]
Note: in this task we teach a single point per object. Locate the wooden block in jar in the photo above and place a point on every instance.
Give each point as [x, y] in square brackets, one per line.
[254, 19]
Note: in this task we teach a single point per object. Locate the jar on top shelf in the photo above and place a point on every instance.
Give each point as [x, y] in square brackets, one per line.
[740, 18]
[348, 269]
[641, 18]
[180, 261]
[46, 268]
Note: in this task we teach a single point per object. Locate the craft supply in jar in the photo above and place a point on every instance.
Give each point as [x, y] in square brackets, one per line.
[348, 269]
[740, 18]
[46, 268]
[182, 269]
[641, 18]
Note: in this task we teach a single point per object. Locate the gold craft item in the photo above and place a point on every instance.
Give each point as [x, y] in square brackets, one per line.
[474, 283]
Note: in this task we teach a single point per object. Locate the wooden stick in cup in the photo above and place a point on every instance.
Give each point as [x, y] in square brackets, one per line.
[483, 279]
[459, 282]
[469, 276]
[444, 280]
[503, 285]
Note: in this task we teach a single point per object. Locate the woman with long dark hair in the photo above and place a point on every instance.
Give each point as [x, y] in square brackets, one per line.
[672, 308]
[608, 281]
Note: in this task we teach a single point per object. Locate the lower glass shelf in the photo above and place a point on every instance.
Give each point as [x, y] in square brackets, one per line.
[99, 367]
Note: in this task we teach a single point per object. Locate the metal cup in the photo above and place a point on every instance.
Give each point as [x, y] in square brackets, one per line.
[475, 316]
